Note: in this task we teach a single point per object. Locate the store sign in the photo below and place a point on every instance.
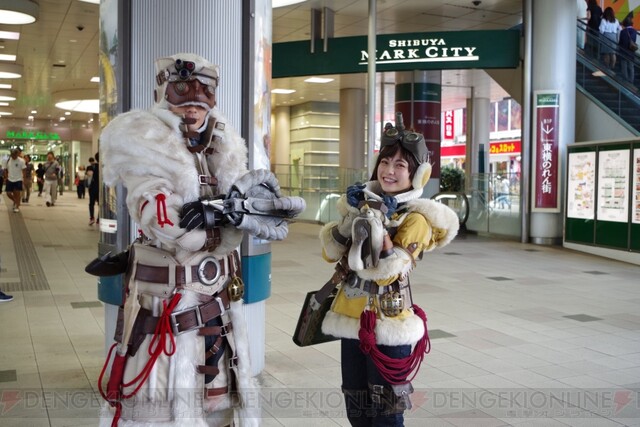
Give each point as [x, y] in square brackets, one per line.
[449, 132]
[496, 148]
[397, 52]
[30, 134]
[546, 161]
[505, 147]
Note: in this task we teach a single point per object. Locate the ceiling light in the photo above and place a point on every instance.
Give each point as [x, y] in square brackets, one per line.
[34, 112]
[598, 73]
[5, 86]
[9, 35]
[10, 71]
[281, 3]
[79, 100]
[6, 57]
[282, 91]
[318, 80]
[18, 12]
[5, 113]
[8, 95]
[4, 104]
[91, 1]
[95, 80]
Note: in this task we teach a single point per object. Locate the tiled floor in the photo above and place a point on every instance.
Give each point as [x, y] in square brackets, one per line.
[521, 335]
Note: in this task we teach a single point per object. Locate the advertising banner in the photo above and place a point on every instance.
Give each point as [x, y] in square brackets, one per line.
[613, 185]
[581, 185]
[546, 157]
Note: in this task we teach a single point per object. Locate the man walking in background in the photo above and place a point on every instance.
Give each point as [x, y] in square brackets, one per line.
[93, 184]
[14, 172]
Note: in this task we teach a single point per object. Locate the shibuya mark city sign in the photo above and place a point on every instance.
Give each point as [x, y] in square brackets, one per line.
[398, 52]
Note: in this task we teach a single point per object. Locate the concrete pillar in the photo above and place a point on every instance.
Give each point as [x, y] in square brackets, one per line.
[478, 144]
[352, 135]
[553, 69]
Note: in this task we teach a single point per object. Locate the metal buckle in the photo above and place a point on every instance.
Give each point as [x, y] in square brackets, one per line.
[224, 331]
[201, 271]
[175, 324]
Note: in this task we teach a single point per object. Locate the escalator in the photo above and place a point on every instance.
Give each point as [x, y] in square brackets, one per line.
[605, 86]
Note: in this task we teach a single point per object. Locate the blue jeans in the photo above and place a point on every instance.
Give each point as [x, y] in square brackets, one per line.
[358, 371]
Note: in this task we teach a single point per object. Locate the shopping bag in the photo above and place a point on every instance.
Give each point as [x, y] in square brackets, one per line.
[309, 327]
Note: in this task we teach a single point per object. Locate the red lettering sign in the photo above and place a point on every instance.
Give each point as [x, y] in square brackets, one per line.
[449, 132]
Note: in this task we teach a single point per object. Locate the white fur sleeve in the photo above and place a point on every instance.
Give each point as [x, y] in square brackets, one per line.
[149, 158]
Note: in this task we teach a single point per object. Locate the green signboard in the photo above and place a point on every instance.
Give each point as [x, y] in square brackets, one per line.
[30, 134]
[400, 52]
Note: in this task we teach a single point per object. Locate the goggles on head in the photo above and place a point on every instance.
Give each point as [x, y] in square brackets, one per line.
[186, 79]
[413, 142]
[181, 71]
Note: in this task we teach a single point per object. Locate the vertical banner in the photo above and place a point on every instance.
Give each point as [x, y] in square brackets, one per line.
[420, 105]
[546, 157]
[449, 131]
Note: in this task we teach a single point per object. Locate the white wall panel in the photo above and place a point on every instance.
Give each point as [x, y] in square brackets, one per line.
[211, 29]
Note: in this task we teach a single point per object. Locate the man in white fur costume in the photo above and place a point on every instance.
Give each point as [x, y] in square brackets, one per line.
[384, 228]
[182, 353]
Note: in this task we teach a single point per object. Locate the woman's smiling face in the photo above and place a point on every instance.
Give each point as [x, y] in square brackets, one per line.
[393, 174]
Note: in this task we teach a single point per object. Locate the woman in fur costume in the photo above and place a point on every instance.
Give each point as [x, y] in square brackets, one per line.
[182, 356]
[384, 228]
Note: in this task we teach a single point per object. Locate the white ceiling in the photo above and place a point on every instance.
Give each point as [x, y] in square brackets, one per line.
[60, 50]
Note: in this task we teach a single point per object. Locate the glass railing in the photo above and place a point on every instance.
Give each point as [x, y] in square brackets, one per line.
[494, 204]
[320, 186]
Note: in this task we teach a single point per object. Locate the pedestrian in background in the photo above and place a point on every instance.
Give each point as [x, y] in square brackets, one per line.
[14, 175]
[51, 172]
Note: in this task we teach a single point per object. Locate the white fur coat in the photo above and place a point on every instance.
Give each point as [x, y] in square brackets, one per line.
[146, 152]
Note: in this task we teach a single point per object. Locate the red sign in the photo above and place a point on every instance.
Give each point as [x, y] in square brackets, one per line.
[448, 125]
[546, 159]
[504, 147]
[499, 147]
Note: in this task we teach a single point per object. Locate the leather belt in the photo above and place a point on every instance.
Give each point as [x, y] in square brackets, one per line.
[207, 272]
[368, 286]
[181, 321]
[217, 391]
[196, 317]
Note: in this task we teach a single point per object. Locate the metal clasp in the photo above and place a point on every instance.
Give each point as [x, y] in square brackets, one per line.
[175, 324]
[202, 273]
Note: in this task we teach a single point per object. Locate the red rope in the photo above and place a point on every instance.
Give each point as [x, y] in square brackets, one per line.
[161, 210]
[394, 371]
[157, 346]
[104, 368]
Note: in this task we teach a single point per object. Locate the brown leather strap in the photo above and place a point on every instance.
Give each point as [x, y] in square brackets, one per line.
[208, 370]
[155, 274]
[213, 238]
[216, 330]
[215, 348]
[216, 391]
[187, 320]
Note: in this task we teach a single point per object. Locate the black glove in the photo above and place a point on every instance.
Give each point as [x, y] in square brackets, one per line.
[355, 194]
[199, 215]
